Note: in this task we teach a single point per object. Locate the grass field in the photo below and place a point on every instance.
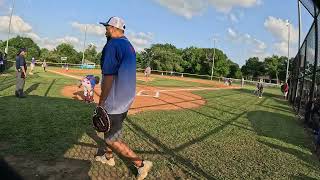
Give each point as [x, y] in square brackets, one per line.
[159, 82]
[233, 136]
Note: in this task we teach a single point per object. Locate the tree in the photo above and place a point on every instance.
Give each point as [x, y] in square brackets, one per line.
[275, 65]
[91, 54]
[22, 42]
[253, 68]
[235, 71]
[44, 54]
[164, 57]
[67, 50]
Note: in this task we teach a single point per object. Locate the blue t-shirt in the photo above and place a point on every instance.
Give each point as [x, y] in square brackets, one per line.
[119, 59]
[20, 61]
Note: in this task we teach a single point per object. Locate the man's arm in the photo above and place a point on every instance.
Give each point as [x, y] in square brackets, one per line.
[24, 71]
[106, 85]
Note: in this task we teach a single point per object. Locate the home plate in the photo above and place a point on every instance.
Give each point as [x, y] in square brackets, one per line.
[147, 93]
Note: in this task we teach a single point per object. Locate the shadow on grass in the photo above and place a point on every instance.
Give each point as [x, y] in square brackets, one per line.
[302, 176]
[49, 88]
[32, 88]
[277, 126]
[174, 157]
[7, 82]
[40, 130]
[307, 158]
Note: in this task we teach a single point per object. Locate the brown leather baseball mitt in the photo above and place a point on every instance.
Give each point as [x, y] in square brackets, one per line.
[100, 120]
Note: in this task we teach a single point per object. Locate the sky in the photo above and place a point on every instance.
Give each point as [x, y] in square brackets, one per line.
[241, 28]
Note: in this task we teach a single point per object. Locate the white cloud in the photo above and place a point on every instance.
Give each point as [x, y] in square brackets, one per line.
[279, 29]
[53, 43]
[22, 28]
[227, 5]
[68, 40]
[18, 25]
[257, 47]
[1, 3]
[140, 40]
[233, 34]
[190, 8]
[33, 36]
[93, 29]
[282, 49]
[233, 18]
[185, 8]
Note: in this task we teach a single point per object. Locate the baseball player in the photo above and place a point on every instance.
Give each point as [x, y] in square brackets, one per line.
[88, 83]
[147, 73]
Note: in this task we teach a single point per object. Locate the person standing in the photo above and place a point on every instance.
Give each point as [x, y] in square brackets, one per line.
[285, 90]
[260, 88]
[44, 65]
[32, 65]
[21, 67]
[242, 82]
[118, 89]
[1, 63]
[147, 73]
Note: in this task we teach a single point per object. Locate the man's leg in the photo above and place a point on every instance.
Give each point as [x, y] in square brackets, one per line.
[124, 150]
[85, 92]
[19, 85]
[114, 143]
[91, 95]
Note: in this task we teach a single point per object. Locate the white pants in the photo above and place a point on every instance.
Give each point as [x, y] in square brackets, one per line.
[87, 90]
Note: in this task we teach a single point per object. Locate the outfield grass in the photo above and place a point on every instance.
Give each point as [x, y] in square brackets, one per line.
[162, 82]
[234, 136]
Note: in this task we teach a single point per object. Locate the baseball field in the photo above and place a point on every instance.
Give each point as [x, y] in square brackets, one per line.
[189, 128]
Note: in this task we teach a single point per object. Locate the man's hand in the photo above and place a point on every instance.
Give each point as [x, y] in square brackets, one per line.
[106, 85]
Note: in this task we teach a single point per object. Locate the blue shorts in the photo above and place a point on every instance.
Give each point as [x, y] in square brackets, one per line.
[115, 132]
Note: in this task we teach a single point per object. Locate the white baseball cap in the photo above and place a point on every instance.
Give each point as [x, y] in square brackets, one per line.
[115, 22]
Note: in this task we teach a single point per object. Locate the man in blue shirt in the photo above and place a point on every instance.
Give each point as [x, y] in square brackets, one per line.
[118, 89]
[21, 67]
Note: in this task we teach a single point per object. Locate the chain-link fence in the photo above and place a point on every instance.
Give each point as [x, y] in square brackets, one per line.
[304, 79]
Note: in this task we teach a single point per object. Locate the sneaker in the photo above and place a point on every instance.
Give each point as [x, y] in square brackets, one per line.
[17, 93]
[144, 170]
[104, 160]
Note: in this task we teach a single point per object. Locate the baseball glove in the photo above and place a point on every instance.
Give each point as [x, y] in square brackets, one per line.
[100, 120]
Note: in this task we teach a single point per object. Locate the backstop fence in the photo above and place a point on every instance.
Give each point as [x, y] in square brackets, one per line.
[304, 78]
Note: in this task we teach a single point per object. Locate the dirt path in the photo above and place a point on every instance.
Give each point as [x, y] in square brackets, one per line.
[149, 98]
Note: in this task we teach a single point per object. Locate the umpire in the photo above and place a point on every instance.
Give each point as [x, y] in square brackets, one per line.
[118, 89]
[21, 67]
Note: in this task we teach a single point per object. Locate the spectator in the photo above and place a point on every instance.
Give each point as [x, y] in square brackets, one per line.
[1, 63]
[32, 65]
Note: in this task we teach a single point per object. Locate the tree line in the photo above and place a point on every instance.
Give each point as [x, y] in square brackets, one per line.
[164, 57]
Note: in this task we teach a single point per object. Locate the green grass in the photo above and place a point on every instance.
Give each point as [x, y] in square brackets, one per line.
[163, 82]
[234, 136]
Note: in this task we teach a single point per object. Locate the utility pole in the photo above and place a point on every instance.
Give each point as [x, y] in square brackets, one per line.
[84, 44]
[214, 54]
[288, 24]
[9, 29]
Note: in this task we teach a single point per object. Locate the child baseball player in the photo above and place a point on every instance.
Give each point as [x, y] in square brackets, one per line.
[88, 83]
